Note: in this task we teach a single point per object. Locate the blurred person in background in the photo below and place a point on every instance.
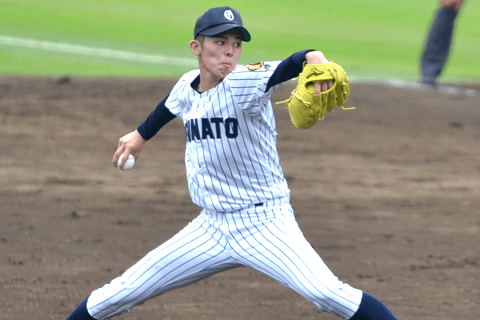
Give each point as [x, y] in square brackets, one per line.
[437, 45]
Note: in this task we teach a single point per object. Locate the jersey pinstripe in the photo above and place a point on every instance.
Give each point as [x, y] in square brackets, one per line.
[231, 156]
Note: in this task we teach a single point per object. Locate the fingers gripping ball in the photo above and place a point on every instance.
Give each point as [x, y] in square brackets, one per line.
[128, 165]
[307, 108]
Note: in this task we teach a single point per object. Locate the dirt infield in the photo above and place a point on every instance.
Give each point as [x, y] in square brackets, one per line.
[388, 194]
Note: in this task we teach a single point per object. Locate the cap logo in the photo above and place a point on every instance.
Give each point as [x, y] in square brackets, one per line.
[229, 15]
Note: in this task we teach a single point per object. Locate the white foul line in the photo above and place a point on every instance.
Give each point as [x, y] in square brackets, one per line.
[159, 59]
[96, 52]
[441, 88]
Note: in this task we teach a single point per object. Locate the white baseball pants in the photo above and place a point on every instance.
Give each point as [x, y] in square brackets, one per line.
[265, 238]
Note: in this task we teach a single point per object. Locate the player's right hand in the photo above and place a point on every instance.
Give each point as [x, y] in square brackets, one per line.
[131, 143]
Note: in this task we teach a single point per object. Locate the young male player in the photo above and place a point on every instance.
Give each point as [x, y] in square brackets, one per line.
[234, 174]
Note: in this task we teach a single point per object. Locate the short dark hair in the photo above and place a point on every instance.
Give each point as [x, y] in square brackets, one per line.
[200, 38]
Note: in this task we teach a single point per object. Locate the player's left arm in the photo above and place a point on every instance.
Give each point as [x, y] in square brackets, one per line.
[292, 66]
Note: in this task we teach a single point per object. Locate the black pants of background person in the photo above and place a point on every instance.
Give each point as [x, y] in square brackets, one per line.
[437, 45]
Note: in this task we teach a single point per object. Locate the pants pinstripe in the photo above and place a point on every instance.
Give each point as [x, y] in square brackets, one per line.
[265, 238]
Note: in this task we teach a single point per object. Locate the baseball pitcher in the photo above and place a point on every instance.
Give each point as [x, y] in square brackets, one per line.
[234, 174]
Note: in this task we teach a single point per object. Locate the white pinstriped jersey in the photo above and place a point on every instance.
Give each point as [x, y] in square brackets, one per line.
[231, 156]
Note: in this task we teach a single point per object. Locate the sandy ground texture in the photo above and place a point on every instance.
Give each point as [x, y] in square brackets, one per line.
[387, 194]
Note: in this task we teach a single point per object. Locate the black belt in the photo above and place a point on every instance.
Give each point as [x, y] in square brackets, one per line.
[259, 204]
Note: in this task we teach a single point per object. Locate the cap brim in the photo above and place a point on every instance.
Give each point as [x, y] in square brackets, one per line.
[216, 30]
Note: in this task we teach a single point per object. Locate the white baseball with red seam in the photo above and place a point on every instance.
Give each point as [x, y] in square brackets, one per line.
[128, 165]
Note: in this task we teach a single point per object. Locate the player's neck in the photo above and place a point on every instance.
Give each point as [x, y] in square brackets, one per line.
[207, 82]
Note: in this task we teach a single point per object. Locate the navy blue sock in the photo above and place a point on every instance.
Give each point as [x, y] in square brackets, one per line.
[81, 313]
[372, 309]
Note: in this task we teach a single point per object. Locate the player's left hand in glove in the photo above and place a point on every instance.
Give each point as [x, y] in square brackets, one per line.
[306, 107]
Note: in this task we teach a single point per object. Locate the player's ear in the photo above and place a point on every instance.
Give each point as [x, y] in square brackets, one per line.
[195, 47]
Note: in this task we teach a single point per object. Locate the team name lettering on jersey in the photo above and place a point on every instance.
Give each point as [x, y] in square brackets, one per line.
[211, 128]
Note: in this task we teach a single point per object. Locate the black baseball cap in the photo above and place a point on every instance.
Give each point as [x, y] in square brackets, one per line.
[218, 20]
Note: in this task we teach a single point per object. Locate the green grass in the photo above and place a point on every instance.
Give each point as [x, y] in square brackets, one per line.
[373, 39]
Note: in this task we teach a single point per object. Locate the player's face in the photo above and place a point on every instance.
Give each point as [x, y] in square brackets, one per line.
[219, 55]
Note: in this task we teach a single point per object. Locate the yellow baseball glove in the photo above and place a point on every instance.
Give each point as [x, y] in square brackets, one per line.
[307, 108]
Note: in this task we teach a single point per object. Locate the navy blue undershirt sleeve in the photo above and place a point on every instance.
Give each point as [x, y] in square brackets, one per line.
[156, 120]
[288, 69]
